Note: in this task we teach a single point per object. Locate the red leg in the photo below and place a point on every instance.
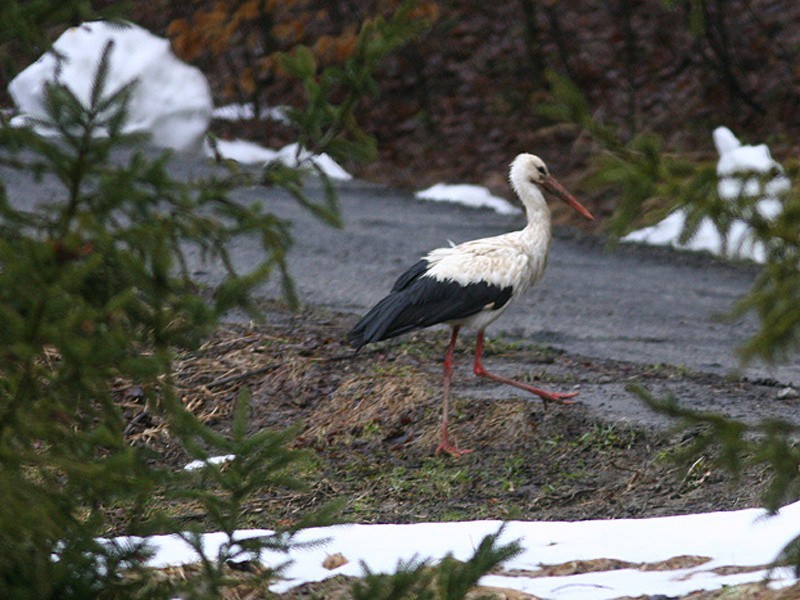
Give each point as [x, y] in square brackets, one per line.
[444, 443]
[478, 369]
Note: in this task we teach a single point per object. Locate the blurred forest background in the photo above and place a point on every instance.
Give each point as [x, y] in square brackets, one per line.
[464, 97]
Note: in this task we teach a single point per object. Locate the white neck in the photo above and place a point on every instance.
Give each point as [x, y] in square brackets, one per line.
[536, 208]
[535, 238]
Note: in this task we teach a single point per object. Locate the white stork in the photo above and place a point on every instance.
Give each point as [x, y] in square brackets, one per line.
[471, 284]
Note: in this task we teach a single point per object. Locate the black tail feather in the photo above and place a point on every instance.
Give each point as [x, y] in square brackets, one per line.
[379, 323]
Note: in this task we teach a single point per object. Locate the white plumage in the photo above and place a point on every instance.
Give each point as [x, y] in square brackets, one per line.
[471, 284]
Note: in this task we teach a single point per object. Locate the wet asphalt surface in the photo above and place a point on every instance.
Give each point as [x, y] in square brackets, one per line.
[634, 304]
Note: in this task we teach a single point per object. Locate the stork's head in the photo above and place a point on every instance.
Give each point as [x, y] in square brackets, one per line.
[529, 169]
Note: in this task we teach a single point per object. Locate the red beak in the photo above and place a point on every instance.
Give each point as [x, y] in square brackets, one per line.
[555, 188]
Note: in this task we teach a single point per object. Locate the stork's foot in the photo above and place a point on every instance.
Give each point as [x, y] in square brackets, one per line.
[554, 397]
[446, 447]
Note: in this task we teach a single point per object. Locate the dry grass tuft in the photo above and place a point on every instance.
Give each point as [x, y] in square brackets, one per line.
[599, 565]
[507, 423]
[249, 581]
[391, 405]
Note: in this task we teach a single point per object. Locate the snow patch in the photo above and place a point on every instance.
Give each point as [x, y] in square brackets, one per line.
[171, 102]
[244, 112]
[735, 160]
[744, 538]
[296, 157]
[251, 153]
[212, 460]
[474, 196]
[243, 151]
[234, 112]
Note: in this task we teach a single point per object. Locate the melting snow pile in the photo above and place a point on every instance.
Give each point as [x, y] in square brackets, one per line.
[292, 156]
[631, 557]
[248, 153]
[469, 195]
[239, 112]
[734, 159]
[212, 460]
[172, 100]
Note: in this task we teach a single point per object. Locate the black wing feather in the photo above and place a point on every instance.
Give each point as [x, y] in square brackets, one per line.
[417, 302]
[410, 275]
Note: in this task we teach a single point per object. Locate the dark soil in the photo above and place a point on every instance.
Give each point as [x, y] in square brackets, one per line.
[371, 421]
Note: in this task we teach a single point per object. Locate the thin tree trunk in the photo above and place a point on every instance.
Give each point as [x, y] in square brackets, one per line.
[533, 44]
[625, 10]
[560, 39]
[717, 38]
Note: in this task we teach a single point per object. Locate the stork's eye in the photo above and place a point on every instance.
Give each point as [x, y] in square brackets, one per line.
[542, 170]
